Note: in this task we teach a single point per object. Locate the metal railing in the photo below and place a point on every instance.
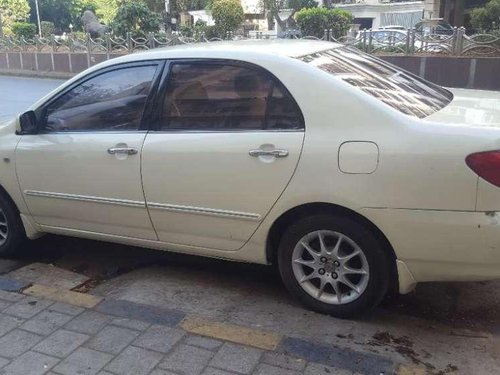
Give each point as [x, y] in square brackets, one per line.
[372, 41]
[410, 42]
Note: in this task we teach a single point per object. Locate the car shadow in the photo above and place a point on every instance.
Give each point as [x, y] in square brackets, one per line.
[468, 305]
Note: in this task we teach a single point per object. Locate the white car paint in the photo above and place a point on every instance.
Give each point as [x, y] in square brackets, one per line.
[358, 157]
[76, 160]
[178, 195]
[406, 175]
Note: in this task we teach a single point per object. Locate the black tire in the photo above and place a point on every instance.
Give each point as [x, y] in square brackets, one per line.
[375, 255]
[15, 229]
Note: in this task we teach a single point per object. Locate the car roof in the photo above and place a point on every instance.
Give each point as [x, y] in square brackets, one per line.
[254, 51]
[228, 49]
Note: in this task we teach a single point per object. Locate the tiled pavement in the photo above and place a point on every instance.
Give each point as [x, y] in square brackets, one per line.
[40, 336]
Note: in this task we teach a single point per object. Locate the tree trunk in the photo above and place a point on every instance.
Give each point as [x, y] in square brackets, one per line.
[458, 14]
[1, 26]
[279, 21]
[270, 21]
[327, 3]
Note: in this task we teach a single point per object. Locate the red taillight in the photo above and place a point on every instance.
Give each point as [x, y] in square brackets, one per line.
[486, 165]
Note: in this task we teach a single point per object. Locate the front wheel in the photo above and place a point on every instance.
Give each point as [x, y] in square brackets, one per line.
[12, 232]
[333, 265]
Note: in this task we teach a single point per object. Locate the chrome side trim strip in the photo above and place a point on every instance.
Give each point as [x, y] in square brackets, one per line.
[85, 198]
[185, 131]
[204, 211]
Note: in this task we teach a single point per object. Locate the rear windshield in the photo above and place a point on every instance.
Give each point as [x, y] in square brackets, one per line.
[401, 90]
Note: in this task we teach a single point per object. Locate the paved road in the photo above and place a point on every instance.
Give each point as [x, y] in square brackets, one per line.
[17, 94]
[446, 328]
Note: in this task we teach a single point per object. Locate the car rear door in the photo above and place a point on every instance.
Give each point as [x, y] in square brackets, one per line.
[228, 140]
[81, 170]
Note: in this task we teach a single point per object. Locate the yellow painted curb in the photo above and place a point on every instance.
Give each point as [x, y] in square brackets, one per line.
[228, 332]
[61, 295]
[409, 370]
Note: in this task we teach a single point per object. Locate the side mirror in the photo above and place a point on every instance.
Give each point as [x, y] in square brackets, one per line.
[27, 123]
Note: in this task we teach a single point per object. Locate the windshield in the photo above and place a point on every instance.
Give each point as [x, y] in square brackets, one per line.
[401, 90]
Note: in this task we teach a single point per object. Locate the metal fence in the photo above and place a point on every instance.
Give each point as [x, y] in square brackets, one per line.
[408, 42]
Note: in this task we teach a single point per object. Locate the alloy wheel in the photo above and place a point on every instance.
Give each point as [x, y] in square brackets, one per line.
[4, 228]
[330, 267]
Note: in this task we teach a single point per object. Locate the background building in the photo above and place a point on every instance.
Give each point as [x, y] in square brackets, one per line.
[378, 13]
[455, 12]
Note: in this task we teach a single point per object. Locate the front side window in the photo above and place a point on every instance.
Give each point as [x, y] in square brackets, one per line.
[400, 90]
[218, 97]
[112, 101]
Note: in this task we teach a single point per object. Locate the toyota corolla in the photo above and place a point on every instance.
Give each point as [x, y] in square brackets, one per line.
[354, 177]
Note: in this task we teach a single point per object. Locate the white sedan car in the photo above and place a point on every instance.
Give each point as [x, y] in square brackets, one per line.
[353, 176]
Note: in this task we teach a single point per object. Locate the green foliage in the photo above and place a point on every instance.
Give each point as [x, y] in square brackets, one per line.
[212, 32]
[486, 18]
[137, 18]
[12, 11]
[105, 10]
[56, 11]
[274, 7]
[186, 30]
[227, 14]
[301, 4]
[314, 21]
[176, 6]
[79, 35]
[48, 28]
[201, 28]
[24, 30]
[80, 6]
[62, 13]
[157, 6]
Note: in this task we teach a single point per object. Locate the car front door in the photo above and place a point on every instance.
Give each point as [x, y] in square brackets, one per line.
[81, 170]
[228, 140]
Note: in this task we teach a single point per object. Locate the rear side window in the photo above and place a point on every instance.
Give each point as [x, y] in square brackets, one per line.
[399, 89]
[111, 101]
[226, 97]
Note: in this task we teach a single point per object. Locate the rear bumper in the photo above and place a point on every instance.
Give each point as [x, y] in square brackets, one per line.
[441, 245]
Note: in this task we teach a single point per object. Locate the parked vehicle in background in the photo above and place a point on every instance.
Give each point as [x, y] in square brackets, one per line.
[353, 176]
[388, 40]
[442, 28]
[388, 37]
[392, 27]
[383, 40]
[290, 34]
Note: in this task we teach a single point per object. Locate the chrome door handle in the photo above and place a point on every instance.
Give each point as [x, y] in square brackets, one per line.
[276, 153]
[122, 150]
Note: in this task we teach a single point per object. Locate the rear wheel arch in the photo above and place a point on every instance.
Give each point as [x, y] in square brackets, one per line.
[309, 209]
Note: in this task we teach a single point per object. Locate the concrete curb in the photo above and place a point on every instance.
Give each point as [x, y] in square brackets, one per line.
[228, 332]
[35, 74]
[61, 295]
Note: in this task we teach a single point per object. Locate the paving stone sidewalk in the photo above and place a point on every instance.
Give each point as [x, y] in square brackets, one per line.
[39, 336]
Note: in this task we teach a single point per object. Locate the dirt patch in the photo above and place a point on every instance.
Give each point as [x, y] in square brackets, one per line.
[404, 346]
[474, 306]
[448, 370]
[87, 286]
